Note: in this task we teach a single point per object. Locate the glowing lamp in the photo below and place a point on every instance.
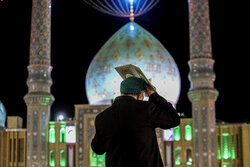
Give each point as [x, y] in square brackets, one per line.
[132, 27]
[61, 117]
[177, 133]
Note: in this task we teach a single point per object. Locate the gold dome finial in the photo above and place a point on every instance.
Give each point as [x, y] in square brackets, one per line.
[132, 18]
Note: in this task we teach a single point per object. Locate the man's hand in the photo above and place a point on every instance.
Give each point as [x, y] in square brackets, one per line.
[149, 91]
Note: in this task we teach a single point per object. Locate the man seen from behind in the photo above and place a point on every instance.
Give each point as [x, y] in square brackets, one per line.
[126, 130]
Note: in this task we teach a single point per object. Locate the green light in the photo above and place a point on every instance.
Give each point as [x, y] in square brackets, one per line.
[52, 134]
[227, 164]
[177, 162]
[233, 147]
[188, 133]
[52, 158]
[189, 163]
[45, 101]
[62, 158]
[177, 156]
[62, 134]
[96, 160]
[218, 147]
[226, 146]
[177, 134]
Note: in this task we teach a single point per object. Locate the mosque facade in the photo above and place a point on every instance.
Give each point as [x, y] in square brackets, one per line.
[196, 142]
[69, 142]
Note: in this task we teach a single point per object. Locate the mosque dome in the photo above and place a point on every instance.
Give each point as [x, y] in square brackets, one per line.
[132, 44]
[2, 115]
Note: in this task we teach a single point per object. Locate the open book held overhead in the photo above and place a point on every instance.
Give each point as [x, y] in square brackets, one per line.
[129, 70]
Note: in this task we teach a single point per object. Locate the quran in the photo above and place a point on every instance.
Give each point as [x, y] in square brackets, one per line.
[129, 70]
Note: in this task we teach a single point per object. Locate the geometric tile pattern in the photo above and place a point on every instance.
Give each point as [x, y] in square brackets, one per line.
[202, 93]
[131, 44]
[39, 99]
[85, 118]
[200, 38]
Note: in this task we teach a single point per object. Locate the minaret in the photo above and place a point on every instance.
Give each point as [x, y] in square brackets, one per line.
[202, 93]
[39, 99]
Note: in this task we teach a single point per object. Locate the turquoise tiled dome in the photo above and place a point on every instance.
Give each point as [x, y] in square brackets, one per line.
[132, 44]
[2, 115]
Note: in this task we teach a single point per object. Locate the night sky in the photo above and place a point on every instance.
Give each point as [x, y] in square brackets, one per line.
[79, 31]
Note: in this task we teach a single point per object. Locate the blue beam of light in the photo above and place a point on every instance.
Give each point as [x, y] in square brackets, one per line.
[131, 1]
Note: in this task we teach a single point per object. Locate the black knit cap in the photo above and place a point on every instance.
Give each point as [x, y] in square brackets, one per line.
[132, 85]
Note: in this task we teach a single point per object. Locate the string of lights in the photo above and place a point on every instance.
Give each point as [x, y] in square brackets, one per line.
[122, 8]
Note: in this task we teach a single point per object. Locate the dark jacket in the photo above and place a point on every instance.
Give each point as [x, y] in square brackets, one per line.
[126, 131]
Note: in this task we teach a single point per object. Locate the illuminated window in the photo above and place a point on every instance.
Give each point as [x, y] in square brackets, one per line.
[177, 155]
[189, 157]
[52, 158]
[177, 134]
[233, 147]
[62, 134]
[188, 133]
[219, 147]
[62, 158]
[52, 134]
[226, 164]
[96, 160]
[45, 101]
[226, 146]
